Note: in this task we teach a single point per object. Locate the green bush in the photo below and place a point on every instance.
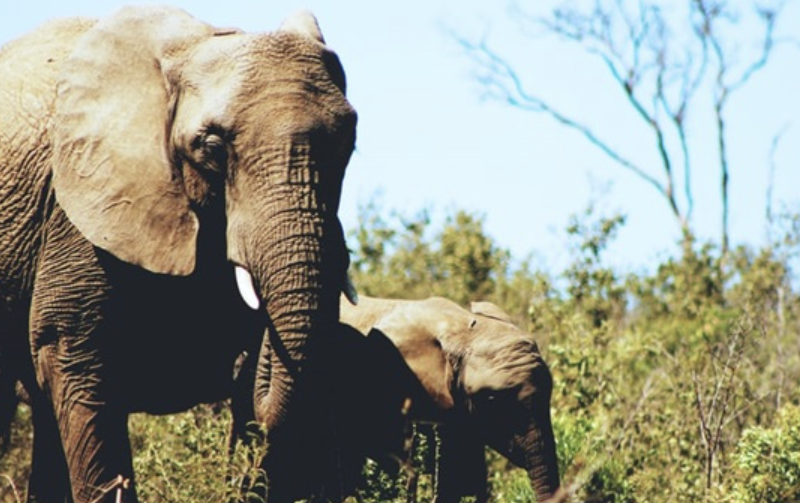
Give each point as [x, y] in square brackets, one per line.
[15, 461]
[184, 457]
[666, 382]
[766, 466]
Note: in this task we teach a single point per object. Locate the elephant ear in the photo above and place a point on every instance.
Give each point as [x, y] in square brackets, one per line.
[304, 24]
[422, 352]
[490, 311]
[113, 172]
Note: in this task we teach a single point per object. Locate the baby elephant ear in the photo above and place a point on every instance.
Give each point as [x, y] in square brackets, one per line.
[490, 311]
[113, 172]
[423, 353]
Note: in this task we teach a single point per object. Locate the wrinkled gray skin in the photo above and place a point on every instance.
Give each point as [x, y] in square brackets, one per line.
[141, 157]
[369, 388]
[474, 373]
[486, 379]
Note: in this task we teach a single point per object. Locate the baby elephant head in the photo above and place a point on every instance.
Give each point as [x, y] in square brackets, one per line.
[481, 373]
[507, 388]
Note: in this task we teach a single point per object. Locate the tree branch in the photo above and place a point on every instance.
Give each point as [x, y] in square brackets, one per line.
[502, 82]
[724, 88]
[658, 75]
[705, 429]
[771, 174]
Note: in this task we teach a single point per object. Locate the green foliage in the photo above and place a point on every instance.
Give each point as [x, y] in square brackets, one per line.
[592, 288]
[469, 259]
[767, 461]
[184, 457]
[405, 260]
[15, 462]
[380, 486]
[507, 483]
[666, 383]
[683, 287]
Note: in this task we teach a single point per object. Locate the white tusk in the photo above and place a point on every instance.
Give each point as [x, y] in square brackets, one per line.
[350, 290]
[245, 284]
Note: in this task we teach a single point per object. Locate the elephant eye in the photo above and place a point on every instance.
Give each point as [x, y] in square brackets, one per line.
[486, 396]
[212, 142]
[211, 150]
[215, 151]
[498, 397]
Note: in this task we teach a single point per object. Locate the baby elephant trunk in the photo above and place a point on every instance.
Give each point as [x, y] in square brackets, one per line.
[538, 443]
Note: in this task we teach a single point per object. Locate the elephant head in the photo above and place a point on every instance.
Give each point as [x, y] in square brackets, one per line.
[485, 376]
[167, 130]
[507, 386]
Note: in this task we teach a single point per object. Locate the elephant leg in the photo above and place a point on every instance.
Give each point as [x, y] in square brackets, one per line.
[14, 353]
[8, 401]
[49, 479]
[460, 465]
[243, 420]
[93, 434]
[245, 432]
[98, 455]
[71, 336]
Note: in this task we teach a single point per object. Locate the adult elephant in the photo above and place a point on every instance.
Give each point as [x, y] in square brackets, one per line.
[144, 158]
[475, 374]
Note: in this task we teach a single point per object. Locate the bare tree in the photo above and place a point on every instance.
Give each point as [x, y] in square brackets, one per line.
[661, 64]
[715, 406]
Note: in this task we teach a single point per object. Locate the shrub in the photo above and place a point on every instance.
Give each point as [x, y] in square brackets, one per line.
[767, 461]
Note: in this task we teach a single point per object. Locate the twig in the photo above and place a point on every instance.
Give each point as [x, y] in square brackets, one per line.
[634, 41]
[119, 484]
[643, 396]
[13, 487]
[500, 73]
[776, 140]
[725, 86]
[714, 417]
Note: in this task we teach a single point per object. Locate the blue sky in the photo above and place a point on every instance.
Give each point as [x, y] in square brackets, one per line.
[427, 138]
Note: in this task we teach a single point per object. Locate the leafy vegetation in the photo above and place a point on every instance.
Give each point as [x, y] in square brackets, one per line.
[670, 385]
[677, 384]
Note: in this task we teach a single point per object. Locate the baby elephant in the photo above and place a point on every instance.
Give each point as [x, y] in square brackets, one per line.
[474, 373]
[487, 383]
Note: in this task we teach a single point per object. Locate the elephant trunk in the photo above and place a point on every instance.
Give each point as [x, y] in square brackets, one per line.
[283, 229]
[541, 460]
[302, 303]
[301, 296]
[539, 444]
